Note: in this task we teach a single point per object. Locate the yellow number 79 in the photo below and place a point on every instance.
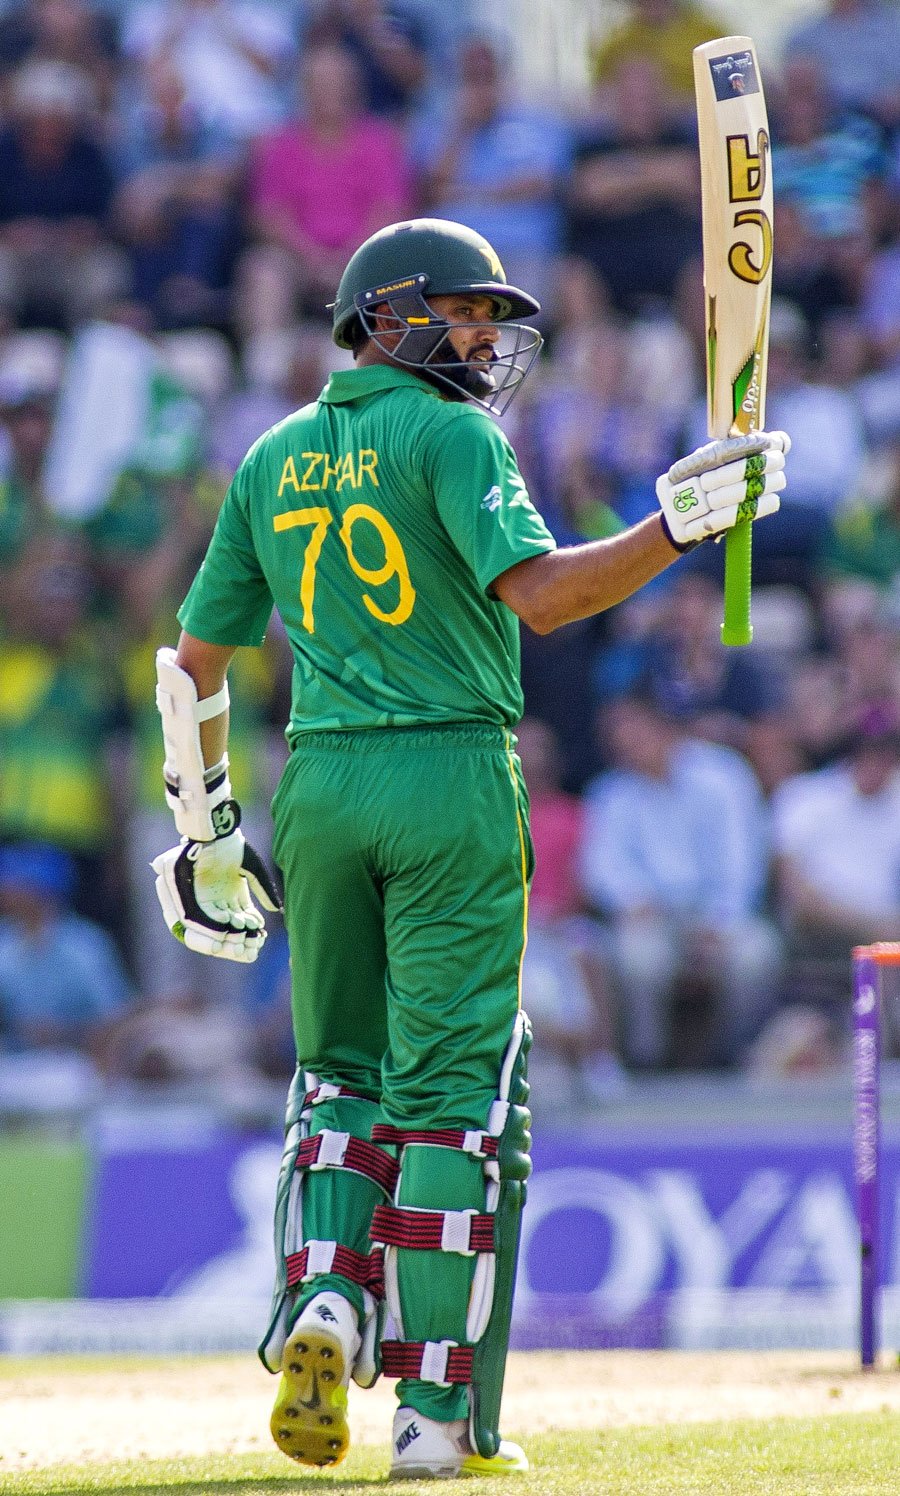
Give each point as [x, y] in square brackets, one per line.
[395, 564]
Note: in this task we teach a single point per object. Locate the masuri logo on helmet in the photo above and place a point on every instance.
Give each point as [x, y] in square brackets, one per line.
[394, 272]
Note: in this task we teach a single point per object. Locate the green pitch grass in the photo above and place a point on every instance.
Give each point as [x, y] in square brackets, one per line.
[844, 1455]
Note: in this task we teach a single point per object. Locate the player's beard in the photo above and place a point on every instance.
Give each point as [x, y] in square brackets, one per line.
[471, 377]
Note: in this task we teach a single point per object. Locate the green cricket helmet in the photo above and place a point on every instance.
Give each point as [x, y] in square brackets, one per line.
[395, 272]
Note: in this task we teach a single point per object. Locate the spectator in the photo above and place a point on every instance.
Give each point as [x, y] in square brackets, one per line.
[675, 856]
[664, 32]
[590, 501]
[864, 539]
[605, 407]
[582, 303]
[267, 1002]
[659, 354]
[565, 986]
[194, 1045]
[232, 57]
[176, 205]
[70, 31]
[826, 429]
[834, 168]
[55, 192]
[733, 696]
[856, 43]
[837, 844]
[723, 692]
[633, 201]
[282, 371]
[556, 667]
[496, 165]
[388, 44]
[62, 982]
[740, 698]
[805, 273]
[857, 671]
[798, 1041]
[164, 499]
[880, 308]
[556, 681]
[317, 188]
[60, 707]
[31, 366]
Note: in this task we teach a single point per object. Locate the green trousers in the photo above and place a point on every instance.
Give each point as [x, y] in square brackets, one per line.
[406, 859]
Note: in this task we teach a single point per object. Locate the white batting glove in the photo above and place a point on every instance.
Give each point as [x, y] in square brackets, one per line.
[205, 892]
[707, 492]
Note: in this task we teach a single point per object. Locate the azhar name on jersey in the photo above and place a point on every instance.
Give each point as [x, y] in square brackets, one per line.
[317, 469]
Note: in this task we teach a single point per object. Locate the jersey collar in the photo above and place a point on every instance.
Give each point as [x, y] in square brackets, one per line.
[357, 384]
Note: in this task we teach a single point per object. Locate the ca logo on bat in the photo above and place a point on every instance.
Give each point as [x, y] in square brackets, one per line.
[747, 173]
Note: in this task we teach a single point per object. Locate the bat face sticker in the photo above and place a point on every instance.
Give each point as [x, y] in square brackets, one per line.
[734, 75]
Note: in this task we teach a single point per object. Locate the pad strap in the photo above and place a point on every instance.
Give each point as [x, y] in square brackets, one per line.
[366, 1269]
[326, 1091]
[479, 1144]
[462, 1231]
[339, 1150]
[212, 706]
[440, 1361]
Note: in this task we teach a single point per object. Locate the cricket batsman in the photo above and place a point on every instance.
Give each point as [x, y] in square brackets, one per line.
[389, 525]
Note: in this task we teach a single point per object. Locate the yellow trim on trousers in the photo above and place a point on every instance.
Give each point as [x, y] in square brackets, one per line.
[522, 854]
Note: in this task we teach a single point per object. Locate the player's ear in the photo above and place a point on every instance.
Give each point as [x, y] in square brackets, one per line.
[384, 319]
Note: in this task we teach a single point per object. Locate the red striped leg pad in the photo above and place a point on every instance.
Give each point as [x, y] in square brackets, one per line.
[364, 1268]
[463, 1231]
[479, 1144]
[338, 1150]
[427, 1360]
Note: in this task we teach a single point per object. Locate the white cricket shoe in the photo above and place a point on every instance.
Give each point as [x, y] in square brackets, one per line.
[424, 1449]
[309, 1419]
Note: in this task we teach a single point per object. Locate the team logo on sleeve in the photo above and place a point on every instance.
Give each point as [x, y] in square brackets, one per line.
[492, 499]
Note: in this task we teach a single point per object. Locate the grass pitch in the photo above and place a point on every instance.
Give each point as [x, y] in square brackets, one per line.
[845, 1455]
[621, 1423]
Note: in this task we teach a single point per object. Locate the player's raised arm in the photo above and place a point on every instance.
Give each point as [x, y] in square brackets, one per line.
[205, 883]
[702, 495]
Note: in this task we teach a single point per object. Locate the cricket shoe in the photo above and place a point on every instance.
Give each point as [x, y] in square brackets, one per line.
[309, 1419]
[424, 1449]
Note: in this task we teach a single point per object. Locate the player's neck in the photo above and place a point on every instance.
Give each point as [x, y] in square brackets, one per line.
[370, 354]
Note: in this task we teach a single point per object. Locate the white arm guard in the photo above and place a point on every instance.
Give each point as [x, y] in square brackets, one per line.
[193, 792]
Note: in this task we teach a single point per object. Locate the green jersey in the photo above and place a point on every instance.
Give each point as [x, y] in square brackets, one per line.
[376, 520]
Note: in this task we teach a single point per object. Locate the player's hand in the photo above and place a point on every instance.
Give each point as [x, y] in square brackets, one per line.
[205, 891]
[707, 492]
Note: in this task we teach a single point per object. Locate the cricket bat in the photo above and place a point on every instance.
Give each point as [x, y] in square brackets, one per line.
[736, 192]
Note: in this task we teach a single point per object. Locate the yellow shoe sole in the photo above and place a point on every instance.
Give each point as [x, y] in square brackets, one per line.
[509, 1460]
[309, 1419]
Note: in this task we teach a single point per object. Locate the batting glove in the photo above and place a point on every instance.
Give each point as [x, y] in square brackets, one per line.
[205, 891]
[725, 481]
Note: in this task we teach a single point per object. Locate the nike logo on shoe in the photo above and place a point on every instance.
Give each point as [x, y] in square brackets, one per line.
[411, 1432]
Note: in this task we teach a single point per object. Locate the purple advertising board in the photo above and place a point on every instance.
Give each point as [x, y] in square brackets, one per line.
[660, 1238]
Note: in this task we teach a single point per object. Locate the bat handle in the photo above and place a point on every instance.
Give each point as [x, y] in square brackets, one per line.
[736, 625]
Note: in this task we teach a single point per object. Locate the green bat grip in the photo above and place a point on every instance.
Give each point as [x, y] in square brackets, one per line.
[736, 625]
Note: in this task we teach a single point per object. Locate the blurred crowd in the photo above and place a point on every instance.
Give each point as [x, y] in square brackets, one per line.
[181, 183]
